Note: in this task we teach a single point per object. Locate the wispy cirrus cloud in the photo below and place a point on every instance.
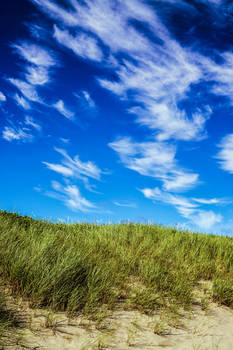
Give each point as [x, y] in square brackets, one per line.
[37, 75]
[26, 89]
[86, 104]
[206, 219]
[221, 73]
[60, 107]
[64, 140]
[2, 97]
[208, 201]
[22, 102]
[23, 131]
[82, 44]
[39, 61]
[89, 100]
[155, 159]
[188, 208]
[125, 204]
[75, 168]
[70, 195]
[59, 168]
[16, 134]
[34, 53]
[101, 18]
[225, 155]
[71, 169]
[32, 123]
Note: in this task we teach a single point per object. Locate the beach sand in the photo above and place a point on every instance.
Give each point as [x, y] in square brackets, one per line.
[199, 329]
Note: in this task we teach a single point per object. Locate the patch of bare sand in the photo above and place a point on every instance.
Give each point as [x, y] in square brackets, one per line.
[130, 329]
[211, 329]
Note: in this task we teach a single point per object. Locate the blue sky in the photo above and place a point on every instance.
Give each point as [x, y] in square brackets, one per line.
[118, 110]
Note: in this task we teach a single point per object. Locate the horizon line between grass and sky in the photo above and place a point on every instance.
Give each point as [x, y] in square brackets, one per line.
[115, 111]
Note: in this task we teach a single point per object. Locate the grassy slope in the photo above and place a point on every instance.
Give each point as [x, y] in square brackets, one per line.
[84, 267]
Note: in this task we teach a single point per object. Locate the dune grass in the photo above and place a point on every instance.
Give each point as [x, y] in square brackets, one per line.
[86, 268]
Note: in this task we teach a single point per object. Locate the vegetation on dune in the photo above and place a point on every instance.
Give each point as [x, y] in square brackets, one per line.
[86, 267]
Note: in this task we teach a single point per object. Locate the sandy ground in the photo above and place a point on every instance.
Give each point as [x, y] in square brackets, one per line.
[211, 329]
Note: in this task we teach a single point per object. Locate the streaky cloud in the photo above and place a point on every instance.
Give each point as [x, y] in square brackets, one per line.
[82, 44]
[88, 169]
[22, 102]
[2, 97]
[26, 89]
[207, 201]
[125, 204]
[60, 107]
[74, 168]
[58, 168]
[70, 195]
[225, 155]
[16, 134]
[34, 53]
[31, 122]
[154, 159]
[37, 75]
[187, 208]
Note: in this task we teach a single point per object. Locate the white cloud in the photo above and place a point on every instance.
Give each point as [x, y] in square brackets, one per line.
[70, 195]
[170, 121]
[26, 89]
[58, 168]
[207, 201]
[35, 54]
[13, 134]
[107, 19]
[220, 74]
[186, 207]
[86, 102]
[75, 168]
[153, 154]
[82, 44]
[22, 102]
[89, 100]
[225, 155]
[23, 133]
[179, 179]
[206, 219]
[125, 204]
[55, 11]
[154, 159]
[88, 168]
[31, 122]
[181, 203]
[2, 97]
[64, 140]
[37, 75]
[40, 60]
[60, 107]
